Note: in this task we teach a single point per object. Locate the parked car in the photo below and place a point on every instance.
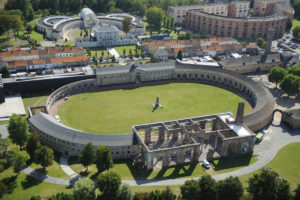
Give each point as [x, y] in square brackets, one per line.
[205, 164]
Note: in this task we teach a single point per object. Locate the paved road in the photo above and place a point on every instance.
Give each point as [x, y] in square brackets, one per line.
[276, 138]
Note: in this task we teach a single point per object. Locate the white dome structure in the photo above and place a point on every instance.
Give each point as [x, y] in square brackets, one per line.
[88, 17]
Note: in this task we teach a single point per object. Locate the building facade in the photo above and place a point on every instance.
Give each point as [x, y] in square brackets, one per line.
[106, 35]
[55, 27]
[135, 73]
[236, 21]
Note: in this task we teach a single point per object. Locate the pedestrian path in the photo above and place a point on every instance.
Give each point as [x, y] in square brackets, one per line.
[276, 138]
[66, 168]
[113, 52]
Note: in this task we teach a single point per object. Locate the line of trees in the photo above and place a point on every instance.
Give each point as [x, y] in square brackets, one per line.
[138, 7]
[263, 185]
[22, 148]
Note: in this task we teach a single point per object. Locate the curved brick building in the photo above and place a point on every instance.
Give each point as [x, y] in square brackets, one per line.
[238, 20]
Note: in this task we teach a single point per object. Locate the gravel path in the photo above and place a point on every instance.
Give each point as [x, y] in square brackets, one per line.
[276, 138]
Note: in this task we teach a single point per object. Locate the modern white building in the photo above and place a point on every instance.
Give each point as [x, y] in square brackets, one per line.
[88, 17]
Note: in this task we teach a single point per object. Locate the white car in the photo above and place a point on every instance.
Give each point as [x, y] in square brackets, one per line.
[205, 164]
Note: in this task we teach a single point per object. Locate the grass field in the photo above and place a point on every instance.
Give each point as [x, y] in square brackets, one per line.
[116, 111]
[97, 52]
[127, 48]
[23, 187]
[34, 99]
[128, 171]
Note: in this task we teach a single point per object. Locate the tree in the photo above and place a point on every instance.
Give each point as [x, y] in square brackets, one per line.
[297, 193]
[127, 24]
[295, 70]
[84, 188]
[44, 156]
[17, 158]
[35, 198]
[290, 84]
[296, 32]
[62, 196]
[152, 58]
[262, 185]
[260, 42]
[103, 159]
[276, 74]
[172, 22]
[168, 22]
[125, 192]
[190, 190]
[167, 194]
[3, 189]
[87, 155]
[17, 129]
[230, 189]
[283, 190]
[95, 60]
[33, 144]
[154, 18]
[179, 55]
[5, 73]
[109, 183]
[124, 52]
[113, 59]
[164, 22]
[207, 187]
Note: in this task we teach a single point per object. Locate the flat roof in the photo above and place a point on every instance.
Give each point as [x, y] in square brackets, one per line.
[240, 130]
[133, 67]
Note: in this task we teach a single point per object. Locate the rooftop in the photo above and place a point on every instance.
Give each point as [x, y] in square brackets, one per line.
[251, 60]
[134, 67]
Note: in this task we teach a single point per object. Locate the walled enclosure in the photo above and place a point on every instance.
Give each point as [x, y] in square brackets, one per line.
[70, 141]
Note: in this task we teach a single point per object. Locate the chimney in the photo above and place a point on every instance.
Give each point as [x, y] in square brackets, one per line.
[268, 44]
[240, 114]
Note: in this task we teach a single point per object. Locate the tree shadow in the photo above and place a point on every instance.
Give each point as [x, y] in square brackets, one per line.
[29, 182]
[140, 173]
[228, 163]
[10, 183]
[187, 169]
[84, 173]
[286, 101]
[136, 171]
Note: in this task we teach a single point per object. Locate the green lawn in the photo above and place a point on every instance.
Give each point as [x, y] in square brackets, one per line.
[97, 52]
[286, 163]
[116, 111]
[2, 3]
[54, 170]
[23, 186]
[128, 171]
[34, 99]
[296, 23]
[127, 48]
